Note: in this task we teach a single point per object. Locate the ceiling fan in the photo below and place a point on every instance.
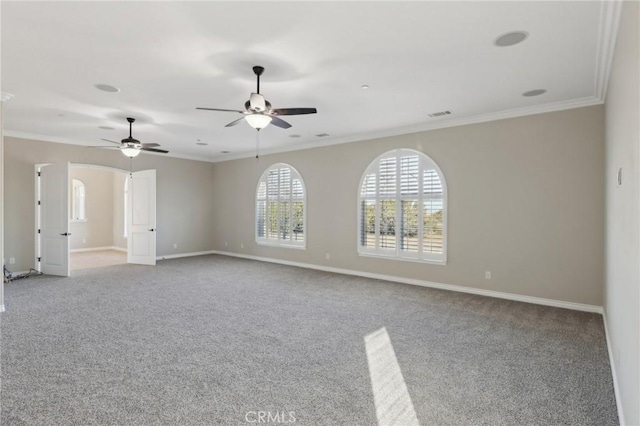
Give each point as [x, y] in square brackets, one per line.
[258, 112]
[131, 147]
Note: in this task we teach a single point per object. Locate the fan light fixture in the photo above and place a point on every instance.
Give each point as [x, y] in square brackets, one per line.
[258, 121]
[130, 151]
[258, 112]
[131, 147]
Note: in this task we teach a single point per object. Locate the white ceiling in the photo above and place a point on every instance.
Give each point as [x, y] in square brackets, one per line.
[170, 57]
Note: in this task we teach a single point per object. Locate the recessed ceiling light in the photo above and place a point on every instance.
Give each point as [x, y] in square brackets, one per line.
[107, 88]
[225, 152]
[536, 92]
[202, 143]
[364, 86]
[509, 39]
[294, 136]
[106, 128]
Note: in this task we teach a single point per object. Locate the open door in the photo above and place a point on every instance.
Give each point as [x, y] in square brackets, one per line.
[141, 218]
[54, 219]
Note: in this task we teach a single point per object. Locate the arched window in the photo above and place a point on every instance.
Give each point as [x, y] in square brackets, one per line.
[402, 208]
[280, 207]
[78, 211]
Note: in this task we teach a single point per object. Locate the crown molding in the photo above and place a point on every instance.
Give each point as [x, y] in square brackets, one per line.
[610, 13]
[425, 127]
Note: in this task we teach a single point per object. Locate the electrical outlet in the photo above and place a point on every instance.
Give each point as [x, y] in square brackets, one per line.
[175, 245]
[12, 260]
[241, 245]
[84, 241]
[327, 256]
[487, 275]
[226, 243]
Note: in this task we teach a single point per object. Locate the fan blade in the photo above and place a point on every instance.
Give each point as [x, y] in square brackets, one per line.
[107, 140]
[154, 150]
[111, 147]
[257, 102]
[293, 111]
[234, 122]
[150, 145]
[278, 122]
[219, 109]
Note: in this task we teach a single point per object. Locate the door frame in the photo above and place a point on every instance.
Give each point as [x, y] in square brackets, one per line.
[37, 167]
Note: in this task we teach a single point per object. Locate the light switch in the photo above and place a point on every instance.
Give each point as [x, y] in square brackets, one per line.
[620, 176]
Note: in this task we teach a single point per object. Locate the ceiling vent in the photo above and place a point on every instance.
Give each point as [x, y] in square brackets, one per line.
[439, 114]
[322, 135]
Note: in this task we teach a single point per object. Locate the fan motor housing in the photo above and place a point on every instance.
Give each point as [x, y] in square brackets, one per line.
[131, 142]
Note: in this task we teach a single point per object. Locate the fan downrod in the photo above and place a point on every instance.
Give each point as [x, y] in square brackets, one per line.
[258, 70]
[130, 120]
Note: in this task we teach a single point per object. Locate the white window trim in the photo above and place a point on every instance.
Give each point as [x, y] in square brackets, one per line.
[302, 245]
[396, 253]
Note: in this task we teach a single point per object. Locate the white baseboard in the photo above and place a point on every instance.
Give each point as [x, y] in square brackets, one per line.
[82, 250]
[179, 255]
[616, 386]
[1, 308]
[422, 283]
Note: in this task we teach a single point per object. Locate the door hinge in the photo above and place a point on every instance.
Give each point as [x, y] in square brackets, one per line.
[38, 174]
[38, 231]
[38, 202]
[39, 259]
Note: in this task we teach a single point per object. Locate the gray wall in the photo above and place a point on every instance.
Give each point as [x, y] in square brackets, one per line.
[184, 205]
[622, 279]
[526, 201]
[97, 229]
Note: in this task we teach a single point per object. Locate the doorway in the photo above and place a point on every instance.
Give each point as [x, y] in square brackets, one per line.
[90, 216]
[97, 216]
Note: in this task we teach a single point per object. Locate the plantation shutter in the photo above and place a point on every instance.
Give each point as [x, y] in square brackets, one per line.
[280, 212]
[261, 208]
[433, 212]
[402, 203]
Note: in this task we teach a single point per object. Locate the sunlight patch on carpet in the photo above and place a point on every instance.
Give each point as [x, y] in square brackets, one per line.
[390, 394]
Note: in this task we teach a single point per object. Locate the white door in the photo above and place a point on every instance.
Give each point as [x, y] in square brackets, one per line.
[54, 219]
[141, 218]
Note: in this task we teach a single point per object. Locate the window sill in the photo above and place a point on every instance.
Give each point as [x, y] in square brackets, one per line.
[281, 245]
[404, 259]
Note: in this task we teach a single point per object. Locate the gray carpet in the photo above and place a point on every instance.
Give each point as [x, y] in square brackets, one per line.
[216, 340]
